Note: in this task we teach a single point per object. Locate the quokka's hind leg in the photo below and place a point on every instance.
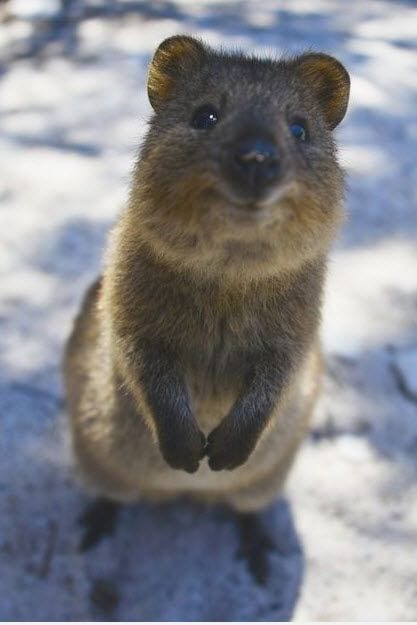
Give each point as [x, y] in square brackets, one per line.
[255, 540]
[97, 521]
[255, 545]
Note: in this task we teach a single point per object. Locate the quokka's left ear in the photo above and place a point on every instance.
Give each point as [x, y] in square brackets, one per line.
[329, 81]
[173, 58]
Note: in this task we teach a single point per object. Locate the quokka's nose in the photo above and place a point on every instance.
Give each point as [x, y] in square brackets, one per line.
[257, 163]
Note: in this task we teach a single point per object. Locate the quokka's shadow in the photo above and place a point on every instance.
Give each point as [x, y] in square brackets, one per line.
[181, 562]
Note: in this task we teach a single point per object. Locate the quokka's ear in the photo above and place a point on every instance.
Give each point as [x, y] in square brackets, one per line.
[172, 59]
[329, 81]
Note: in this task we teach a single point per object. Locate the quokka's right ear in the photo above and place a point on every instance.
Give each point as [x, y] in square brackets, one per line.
[174, 57]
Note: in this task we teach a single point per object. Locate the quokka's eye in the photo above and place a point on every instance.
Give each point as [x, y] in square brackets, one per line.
[298, 131]
[205, 117]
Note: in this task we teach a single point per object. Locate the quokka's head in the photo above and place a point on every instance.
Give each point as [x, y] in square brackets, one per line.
[238, 171]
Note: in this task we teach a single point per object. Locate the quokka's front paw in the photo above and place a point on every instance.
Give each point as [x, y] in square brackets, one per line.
[182, 447]
[228, 446]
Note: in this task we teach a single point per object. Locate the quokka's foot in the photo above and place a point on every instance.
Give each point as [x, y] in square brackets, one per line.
[255, 546]
[98, 521]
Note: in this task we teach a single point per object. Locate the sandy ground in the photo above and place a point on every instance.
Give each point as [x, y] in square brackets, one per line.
[72, 109]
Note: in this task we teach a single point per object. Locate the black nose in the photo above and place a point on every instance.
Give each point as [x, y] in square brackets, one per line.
[256, 163]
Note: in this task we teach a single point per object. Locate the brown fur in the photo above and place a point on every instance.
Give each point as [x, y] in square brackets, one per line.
[202, 336]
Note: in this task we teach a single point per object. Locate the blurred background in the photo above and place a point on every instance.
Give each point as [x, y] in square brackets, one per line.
[73, 108]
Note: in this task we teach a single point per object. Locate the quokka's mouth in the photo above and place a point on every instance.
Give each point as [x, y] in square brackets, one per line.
[276, 206]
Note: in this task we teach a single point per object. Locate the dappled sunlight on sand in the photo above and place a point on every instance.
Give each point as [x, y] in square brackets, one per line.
[371, 297]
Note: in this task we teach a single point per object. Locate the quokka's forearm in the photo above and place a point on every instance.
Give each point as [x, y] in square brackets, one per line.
[233, 441]
[155, 379]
